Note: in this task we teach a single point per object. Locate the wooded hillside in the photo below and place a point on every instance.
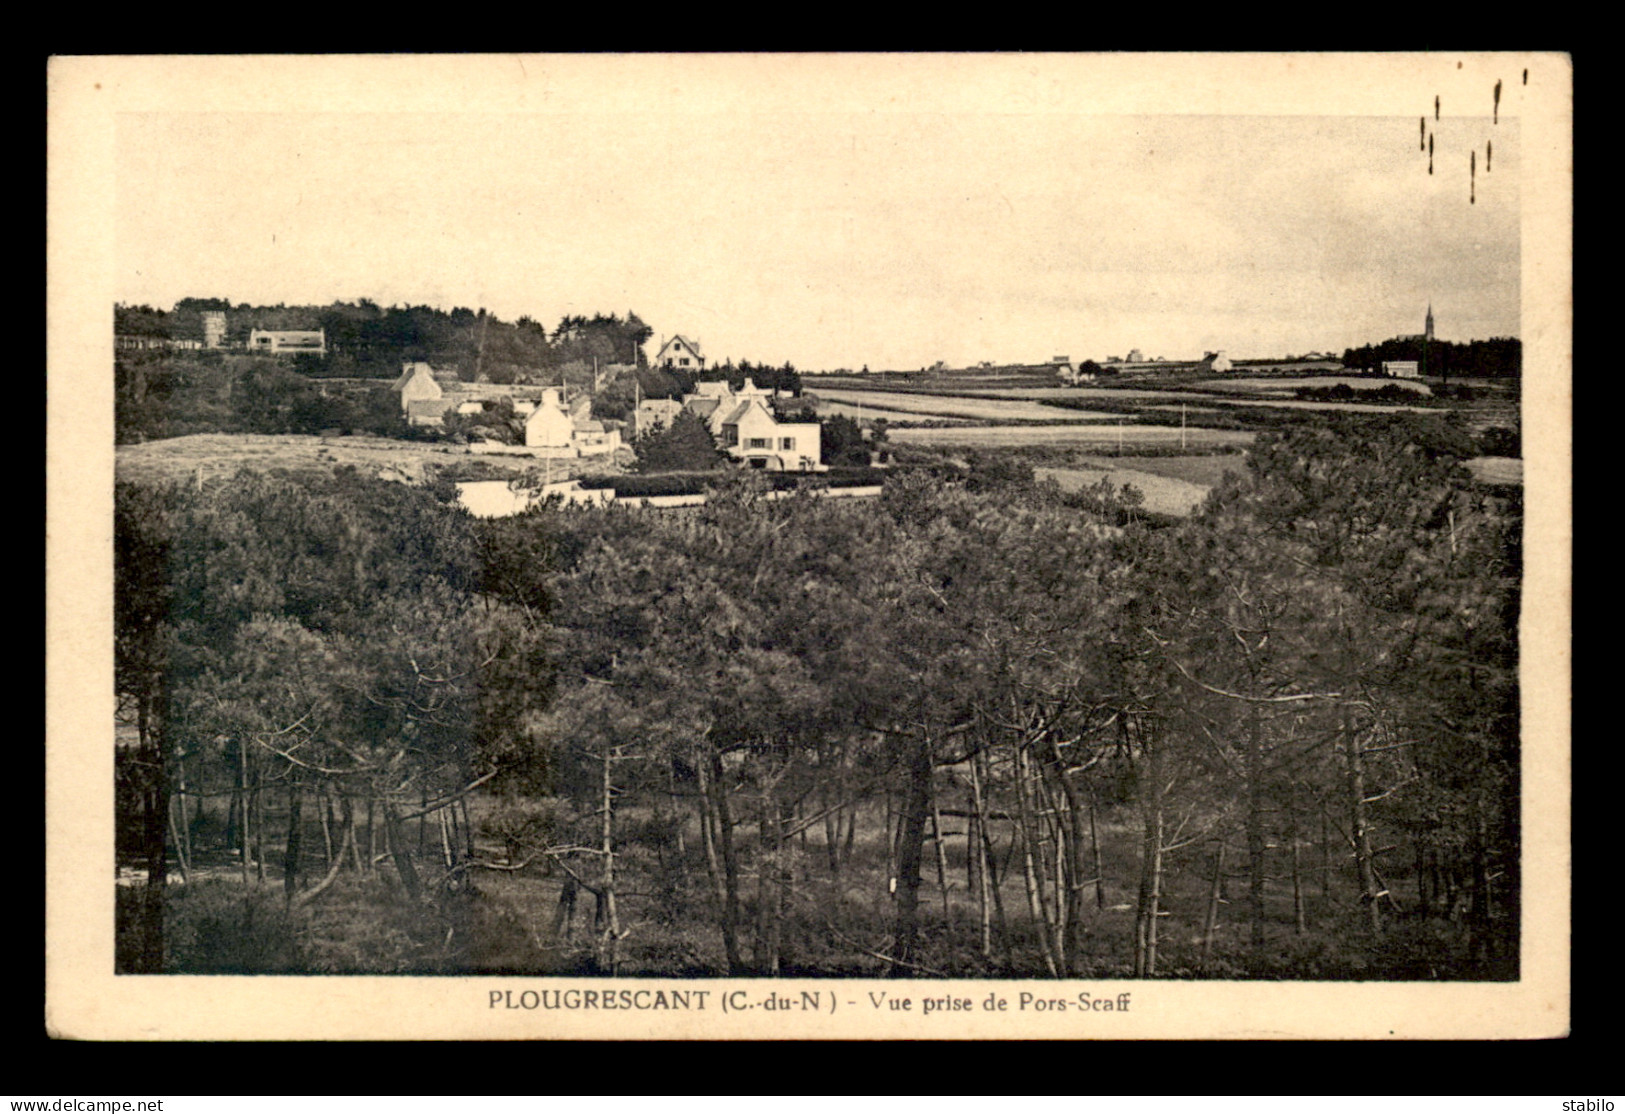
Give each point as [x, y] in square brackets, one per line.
[958, 729]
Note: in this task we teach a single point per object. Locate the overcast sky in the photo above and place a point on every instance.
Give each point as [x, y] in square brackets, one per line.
[842, 238]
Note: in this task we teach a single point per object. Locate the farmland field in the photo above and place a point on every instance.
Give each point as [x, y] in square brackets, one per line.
[1002, 437]
[1141, 394]
[1286, 386]
[946, 406]
[844, 410]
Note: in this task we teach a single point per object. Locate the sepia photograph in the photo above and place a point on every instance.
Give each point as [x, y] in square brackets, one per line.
[809, 545]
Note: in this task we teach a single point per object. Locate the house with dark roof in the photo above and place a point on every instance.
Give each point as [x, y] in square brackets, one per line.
[420, 383]
[429, 411]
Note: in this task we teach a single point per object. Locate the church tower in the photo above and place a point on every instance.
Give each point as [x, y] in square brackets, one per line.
[1427, 333]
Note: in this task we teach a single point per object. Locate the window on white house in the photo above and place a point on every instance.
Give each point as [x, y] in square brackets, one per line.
[786, 443]
[760, 443]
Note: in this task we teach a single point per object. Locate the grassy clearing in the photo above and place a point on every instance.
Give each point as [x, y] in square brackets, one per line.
[1163, 495]
[222, 454]
[1205, 470]
[1496, 469]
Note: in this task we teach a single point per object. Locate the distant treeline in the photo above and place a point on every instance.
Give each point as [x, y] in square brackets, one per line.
[367, 340]
[1496, 358]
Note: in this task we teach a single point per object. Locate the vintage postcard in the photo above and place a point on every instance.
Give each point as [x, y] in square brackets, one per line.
[803, 546]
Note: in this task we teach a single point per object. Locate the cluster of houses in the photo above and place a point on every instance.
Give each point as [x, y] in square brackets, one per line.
[743, 425]
[553, 426]
[741, 422]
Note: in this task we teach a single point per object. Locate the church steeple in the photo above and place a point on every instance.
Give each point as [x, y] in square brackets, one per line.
[1428, 331]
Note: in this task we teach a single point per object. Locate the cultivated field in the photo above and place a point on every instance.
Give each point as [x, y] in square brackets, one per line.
[944, 406]
[870, 413]
[1138, 394]
[1004, 437]
[1287, 386]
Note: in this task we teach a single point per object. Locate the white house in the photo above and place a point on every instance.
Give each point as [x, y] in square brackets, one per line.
[553, 426]
[679, 351]
[1216, 361]
[282, 342]
[751, 433]
[591, 438]
[1402, 369]
[550, 425]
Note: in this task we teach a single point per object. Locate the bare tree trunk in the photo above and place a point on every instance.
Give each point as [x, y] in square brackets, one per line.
[1072, 936]
[1214, 894]
[851, 832]
[1361, 835]
[910, 850]
[771, 886]
[1325, 858]
[1054, 861]
[1145, 958]
[348, 842]
[1035, 898]
[183, 842]
[1300, 923]
[327, 826]
[244, 844]
[610, 934]
[1255, 831]
[291, 849]
[180, 844]
[256, 805]
[443, 822]
[708, 827]
[1094, 851]
[564, 916]
[942, 853]
[976, 854]
[398, 850]
[1424, 896]
[730, 865]
[832, 837]
[347, 810]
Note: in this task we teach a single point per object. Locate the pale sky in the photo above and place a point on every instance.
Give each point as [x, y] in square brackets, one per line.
[842, 238]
